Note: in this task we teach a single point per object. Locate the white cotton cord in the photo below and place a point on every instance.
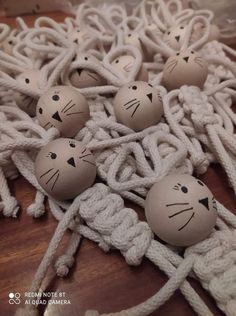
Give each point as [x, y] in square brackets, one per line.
[66, 261]
[197, 129]
[159, 46]
[198, 159]
[225, 84]
[159, 298]
[4, 31]
[44, 21]
[31, 40]
[202, 40]
[8, 204]
[156, 18]
[37, 209]
[192, 297]
[47, 259]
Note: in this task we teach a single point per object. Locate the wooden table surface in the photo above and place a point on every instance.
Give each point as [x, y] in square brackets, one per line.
[98, 280]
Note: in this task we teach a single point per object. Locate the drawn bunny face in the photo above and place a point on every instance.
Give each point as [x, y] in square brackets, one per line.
[185, 68]
[133, 39]
[64, 168]
[84, 78]
[174, 37]
[63, 107]
[78, 36]
[30, 79]
[181, 210]
[125, 64]
[138, 105]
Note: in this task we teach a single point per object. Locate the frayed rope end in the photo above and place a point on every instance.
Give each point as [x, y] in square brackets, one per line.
[63, 265]
[36, 210]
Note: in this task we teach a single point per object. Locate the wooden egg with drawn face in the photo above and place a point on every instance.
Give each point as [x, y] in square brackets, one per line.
[174, 37]
[133, 39]
[185, 68]
[64, 168]
[64, 108]
[181, 210]
[78, 36]
[84, 78]
[30, 79]
[138, 105]
[7, 45]
[125, 64]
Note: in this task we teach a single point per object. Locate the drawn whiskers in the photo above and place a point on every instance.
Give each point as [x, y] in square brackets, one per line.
[128, 67]
[214, 204]
[80, 157]
[180, 212]
[68, 107]
[48, 124]
[134, 103]
[91, 163]
[92, 75]
[172, 66]
[53, 178]
[199, 61]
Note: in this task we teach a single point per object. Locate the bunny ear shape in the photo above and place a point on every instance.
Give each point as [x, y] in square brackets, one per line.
[117, 14]
[32, 40]
[202, 38]
[102, 27]
[44, 21]
[156, 44]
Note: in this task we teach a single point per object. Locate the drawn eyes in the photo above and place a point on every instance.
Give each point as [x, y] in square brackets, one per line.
[133, 87]
[10, 42]
[177, 54]
[129, 35]
[117, 61]
[200, 182]
[184, 189]
[168, 33]
[181, 27]
[192, 52]
[55, 97]
[72, 144]
[27, 80]
[40, 111]
[52, 155]
[150, 85]
[85, 58]
[178, 187]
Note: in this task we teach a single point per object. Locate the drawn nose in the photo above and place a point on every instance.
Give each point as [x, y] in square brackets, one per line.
[149, 95]
[205, 203]
[186, 59]
[57, 117]
[177, 38]
[71, 162]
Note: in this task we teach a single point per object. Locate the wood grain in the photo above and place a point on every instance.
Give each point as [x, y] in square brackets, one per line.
[98, 280]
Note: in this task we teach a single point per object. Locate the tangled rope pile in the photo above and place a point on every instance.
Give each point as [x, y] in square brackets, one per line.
[197, 129]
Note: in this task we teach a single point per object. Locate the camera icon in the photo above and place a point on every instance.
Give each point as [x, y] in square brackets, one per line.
[14, 298]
